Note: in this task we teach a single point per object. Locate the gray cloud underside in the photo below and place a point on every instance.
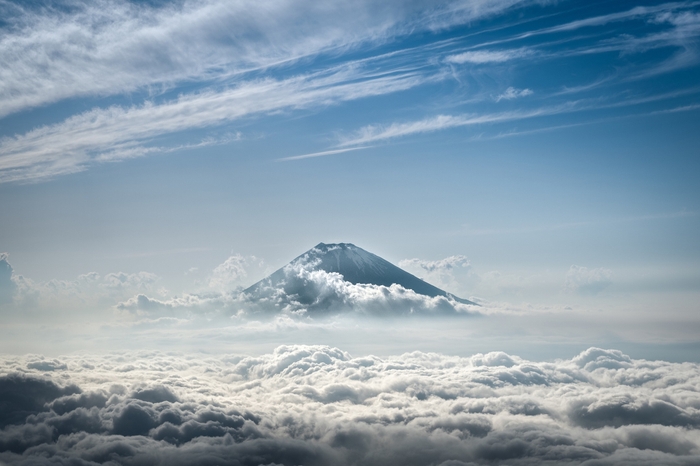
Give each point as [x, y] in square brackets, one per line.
[317, 405]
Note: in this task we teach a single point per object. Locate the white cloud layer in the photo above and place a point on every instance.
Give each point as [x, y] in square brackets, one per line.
[300, 289]
[88, 292]
[304, 292]
[317, 405]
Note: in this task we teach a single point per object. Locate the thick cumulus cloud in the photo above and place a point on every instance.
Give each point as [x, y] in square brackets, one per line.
[307, 291]
[235, 270]
[318, 405]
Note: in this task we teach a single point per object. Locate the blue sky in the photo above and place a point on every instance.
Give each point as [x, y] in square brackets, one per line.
[552, 145]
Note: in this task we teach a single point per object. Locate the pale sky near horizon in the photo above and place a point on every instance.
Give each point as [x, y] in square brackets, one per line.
[538, 156]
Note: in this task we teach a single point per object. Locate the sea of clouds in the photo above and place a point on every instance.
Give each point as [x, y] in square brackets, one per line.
[318, 405]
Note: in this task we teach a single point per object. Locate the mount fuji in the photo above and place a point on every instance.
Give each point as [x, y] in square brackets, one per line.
[331, 274]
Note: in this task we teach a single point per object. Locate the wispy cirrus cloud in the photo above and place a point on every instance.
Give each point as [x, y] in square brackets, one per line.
[681, 32]
[513, 93]
[115, 133]
[322, 153]
[649, 13]
[372, 134]
[108, 47]
[230, 54]
[478, 57]
[376, 133]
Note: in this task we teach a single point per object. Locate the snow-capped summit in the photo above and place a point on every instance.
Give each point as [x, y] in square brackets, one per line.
[341, 262]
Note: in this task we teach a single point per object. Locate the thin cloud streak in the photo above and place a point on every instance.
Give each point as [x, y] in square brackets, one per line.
[479, 57]
[685, 29]
[322, 154]
[72, 145]
[684, 108]
[376, 133]
[598, 21]
[633, 13]
[371, 133]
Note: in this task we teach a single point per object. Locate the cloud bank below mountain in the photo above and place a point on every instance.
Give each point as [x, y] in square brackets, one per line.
[319, 405]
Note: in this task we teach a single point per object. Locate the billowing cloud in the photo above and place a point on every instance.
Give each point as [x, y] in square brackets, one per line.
[303, 291]
[588, 281]
[306, 290]
[7, 285]
[453, 273]
[88, 291]
[234, 271]
[319, 405]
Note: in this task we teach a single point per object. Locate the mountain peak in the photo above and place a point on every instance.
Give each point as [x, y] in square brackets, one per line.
[356, 266]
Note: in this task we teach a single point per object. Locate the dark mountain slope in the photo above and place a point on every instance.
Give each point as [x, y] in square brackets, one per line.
[355, 265]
